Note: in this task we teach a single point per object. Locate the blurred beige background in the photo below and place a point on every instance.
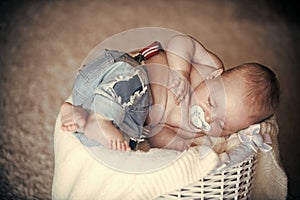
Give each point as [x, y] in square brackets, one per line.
[42, 44]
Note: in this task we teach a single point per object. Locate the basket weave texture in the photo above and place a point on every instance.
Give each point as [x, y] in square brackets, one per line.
[231, 183]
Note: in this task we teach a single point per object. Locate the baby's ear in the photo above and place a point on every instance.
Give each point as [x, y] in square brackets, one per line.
[214, 74]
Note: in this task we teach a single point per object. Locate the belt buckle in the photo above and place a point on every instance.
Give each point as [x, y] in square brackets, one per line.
[134, 141]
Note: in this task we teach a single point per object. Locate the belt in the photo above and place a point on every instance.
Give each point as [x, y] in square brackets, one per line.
[149, 51]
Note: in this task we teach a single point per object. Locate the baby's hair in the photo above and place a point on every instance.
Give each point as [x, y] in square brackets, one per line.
[262, 89]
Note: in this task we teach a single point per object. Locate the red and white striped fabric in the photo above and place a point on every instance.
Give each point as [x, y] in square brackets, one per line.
[151, 50]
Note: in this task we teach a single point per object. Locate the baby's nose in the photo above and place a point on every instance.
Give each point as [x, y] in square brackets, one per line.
[210, 116]
[207, 114]
[207, 118]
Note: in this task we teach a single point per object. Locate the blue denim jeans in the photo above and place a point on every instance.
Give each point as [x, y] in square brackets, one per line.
[116, 87]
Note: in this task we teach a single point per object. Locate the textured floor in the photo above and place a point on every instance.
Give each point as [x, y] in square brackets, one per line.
[42, 43]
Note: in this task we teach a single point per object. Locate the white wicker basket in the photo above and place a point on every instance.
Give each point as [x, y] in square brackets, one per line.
[232, 183]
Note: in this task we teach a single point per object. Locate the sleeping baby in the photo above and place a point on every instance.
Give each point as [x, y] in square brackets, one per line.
[169, 97]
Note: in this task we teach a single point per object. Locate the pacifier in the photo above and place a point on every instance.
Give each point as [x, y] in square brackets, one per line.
[198, 119]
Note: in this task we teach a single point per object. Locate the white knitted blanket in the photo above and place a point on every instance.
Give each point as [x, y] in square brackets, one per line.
[97, 173]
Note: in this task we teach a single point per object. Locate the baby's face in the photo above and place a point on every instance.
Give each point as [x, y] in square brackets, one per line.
[222, 101]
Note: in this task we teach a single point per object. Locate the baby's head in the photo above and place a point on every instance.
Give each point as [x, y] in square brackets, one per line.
[260, 87]
[241, 96]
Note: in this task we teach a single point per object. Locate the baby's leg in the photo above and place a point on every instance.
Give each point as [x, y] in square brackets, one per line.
[104, 132]
[73, 118]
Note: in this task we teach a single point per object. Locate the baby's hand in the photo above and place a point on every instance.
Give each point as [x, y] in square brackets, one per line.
[179, 86]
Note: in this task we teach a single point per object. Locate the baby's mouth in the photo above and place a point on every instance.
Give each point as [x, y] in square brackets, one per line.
[197, 118]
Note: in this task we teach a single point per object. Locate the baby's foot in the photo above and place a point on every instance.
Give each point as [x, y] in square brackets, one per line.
[73, 118]
[116, 141]
[113, 141]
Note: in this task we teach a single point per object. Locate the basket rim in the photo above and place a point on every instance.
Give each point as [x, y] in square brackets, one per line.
[251, 157]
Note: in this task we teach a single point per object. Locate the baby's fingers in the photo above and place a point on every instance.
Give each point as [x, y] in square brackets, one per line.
[174, 85]
[179, 96]
[180, 93]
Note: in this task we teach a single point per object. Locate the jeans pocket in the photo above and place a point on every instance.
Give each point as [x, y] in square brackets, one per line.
[81, 91]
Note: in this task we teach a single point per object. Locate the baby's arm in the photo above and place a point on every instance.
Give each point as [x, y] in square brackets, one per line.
[184, 52]
[103, 131]
[168, 138]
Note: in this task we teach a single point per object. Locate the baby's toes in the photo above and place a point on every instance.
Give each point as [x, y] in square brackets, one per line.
[64, 128]
[121, 146]
[71, 127]
[113, 145]
[125, 146]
